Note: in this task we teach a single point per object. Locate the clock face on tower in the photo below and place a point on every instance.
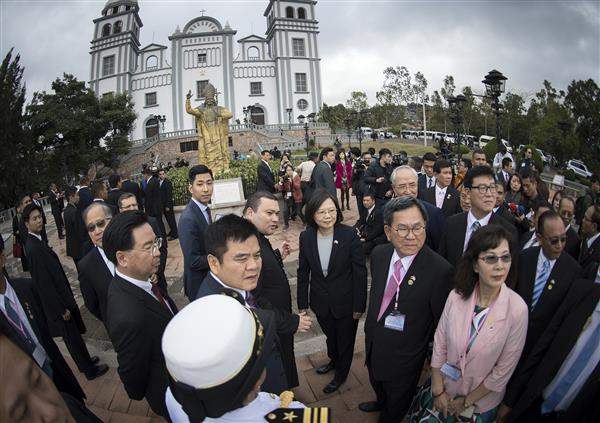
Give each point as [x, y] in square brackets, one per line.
[202, 26]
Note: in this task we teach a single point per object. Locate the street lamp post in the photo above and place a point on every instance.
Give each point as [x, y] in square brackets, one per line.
[306, 120]
[495, 84]
[348, 122]
[289, 113]
[160, 121]
[362, 116]
[455, 105]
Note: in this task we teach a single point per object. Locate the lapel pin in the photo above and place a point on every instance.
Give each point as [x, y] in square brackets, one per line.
[550, 287]
[411, 280]
[29, 311]
[335, 241]
[448, 197]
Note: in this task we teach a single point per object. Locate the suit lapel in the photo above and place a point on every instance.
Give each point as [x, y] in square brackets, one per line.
[462, 232]
[334, 248]
[314, 249]
[530, 270]
[380, 282]
[549, 292]
[409, 280]
[197, 212]
[149, 301]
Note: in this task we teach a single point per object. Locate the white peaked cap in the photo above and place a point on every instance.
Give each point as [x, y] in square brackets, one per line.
[209, 341]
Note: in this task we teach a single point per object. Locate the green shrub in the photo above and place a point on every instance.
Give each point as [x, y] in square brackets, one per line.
[572, 176]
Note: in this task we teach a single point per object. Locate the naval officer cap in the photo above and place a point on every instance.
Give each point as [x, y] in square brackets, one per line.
[215, 350]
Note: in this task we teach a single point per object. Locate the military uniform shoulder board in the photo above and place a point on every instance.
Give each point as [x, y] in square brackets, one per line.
[299, 415]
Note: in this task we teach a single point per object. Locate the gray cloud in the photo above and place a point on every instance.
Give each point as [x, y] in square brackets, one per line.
[528, 41]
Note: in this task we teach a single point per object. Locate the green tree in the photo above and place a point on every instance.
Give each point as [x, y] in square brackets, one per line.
[334, 115]
[357, 101]
[583, 101]
[513, 120]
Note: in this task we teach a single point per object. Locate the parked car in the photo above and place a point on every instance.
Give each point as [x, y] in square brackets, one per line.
[579, 168]
[485, 139]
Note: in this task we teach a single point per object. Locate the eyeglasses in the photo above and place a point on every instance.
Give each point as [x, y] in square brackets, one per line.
[557, 239]
[154, 248]
[485, 188]
[404, 187]
[403, 231]
[100, 224]
[322, 213]
[493, 259]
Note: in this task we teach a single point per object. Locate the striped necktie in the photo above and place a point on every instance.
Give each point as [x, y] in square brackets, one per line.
[540, 282]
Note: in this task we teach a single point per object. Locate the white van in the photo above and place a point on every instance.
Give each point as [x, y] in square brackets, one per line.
[366, 131]
[485, 139]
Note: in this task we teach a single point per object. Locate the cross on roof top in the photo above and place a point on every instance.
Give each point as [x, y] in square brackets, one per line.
[202, 11]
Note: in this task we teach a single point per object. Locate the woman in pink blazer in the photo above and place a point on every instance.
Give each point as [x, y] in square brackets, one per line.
[479, 337]
[343, 177]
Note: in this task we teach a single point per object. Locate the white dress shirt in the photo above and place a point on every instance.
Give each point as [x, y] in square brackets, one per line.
[203, 209]
[369, 211]
[584, 336]
[36, 235]
[144, 285]
[306, 168]
[592, 239]
[430, 181]
[540, 264]
[533, 241]
[406, 262]
[244, 294]
[440, 193]
[472, 219]
[108, 263]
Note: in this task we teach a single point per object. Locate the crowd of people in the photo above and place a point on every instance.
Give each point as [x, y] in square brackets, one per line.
[480, 293]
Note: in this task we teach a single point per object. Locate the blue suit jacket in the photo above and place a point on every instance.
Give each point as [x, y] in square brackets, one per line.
[191, 228]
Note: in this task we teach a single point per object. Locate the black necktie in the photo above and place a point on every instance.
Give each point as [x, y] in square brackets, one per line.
[209, 215]
[160, 298]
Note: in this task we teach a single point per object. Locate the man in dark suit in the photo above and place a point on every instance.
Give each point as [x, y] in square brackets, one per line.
[545, 275]
[95, 270]
[409, 286]
[154, 206]
[427, 178]
[502, 209]
[322, 175]
[166, 193]
[590, 248]
[503, 175]
[265, 176]
[273, 289]
[100, 195]
[443, 195]
[192, 224]
[22, 320]
[77, 241]
[35, 199]
[378, 176]
[137, 311]
[85, 194]
[566, 209]
[370, 229]
[56, 199]
[58, 303]
[560, 380]
[481, 184]
[529, 238]
[127, 185]
[229, 240]
[115, 191]
[405, 184]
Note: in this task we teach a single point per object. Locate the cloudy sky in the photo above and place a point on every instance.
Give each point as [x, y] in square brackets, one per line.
[528, 41]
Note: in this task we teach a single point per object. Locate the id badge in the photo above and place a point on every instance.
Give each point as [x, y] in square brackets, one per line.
[288, 195]
[451, 371]
[395, 321]
[39, 355]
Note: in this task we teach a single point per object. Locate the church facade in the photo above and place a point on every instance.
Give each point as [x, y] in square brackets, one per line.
[267, 80]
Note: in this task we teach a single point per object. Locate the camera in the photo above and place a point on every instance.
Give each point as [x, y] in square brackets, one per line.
[400, 159]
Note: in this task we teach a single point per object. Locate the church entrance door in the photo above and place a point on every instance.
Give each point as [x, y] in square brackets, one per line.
[151, 128]
[257, 115]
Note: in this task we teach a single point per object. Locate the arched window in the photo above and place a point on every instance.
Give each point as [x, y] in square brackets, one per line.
[289, 12]
[257, 115]
[106, 30]
[151, 127]
[301, 13]
[151, 63]
[118, 27]
[253, 53]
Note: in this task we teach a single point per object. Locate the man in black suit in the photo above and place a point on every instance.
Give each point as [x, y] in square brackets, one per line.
[85, 194]
[590, 248]
[154, 206]
[378, 176]
[95, 270]
[545, 275]
[405, 183]
[56, 199]
[166, 193]
[137, 311]
[503, 175]
[235, 263]
[370, 229]
[566, 209]
[58, 303]
[22, 320]
[530, 189]
[192, 224]
[443, 195]
[502, 209]
[35, 199]
[322, 175]
[100, 195]
[560, 380]
[427, 178]
[115, 191]
[273, 289]
[481, 185]
[265, 176]
[127, 185]
[529, 238]
[77, 242]
[409, 286]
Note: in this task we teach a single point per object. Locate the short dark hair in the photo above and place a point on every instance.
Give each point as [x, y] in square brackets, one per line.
[113, 180]
[325, 152]
[118, 235]
[384, 151]
[402, 203]
[22, 197]
[96, 188]
[124, 197]
[262, 153]
[477, 171]
[365, 153]
[478, 151]
[84, 180]
[547, 215]
[563, 198]
[486, 238]
[369, 193]
[313, 155]
[596, 216]
[594, 179]
[198, 170]
[253, 202]
[30, 208]
[429, 156]
[441, 164]
[539, 204]
[70, 192]
[528, 173]
[228, 228]
[506, 161]
[316, 200]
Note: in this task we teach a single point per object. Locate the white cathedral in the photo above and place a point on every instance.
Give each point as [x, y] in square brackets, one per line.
[278, 75]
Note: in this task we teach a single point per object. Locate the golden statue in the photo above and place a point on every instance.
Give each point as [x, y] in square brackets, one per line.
[212, 123]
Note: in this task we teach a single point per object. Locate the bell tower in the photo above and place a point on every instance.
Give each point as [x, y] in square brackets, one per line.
[115, 47]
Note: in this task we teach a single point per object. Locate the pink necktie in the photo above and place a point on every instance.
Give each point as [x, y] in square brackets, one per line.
[391, 287]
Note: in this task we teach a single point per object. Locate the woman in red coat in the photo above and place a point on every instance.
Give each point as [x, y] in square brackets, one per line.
[343, 177]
